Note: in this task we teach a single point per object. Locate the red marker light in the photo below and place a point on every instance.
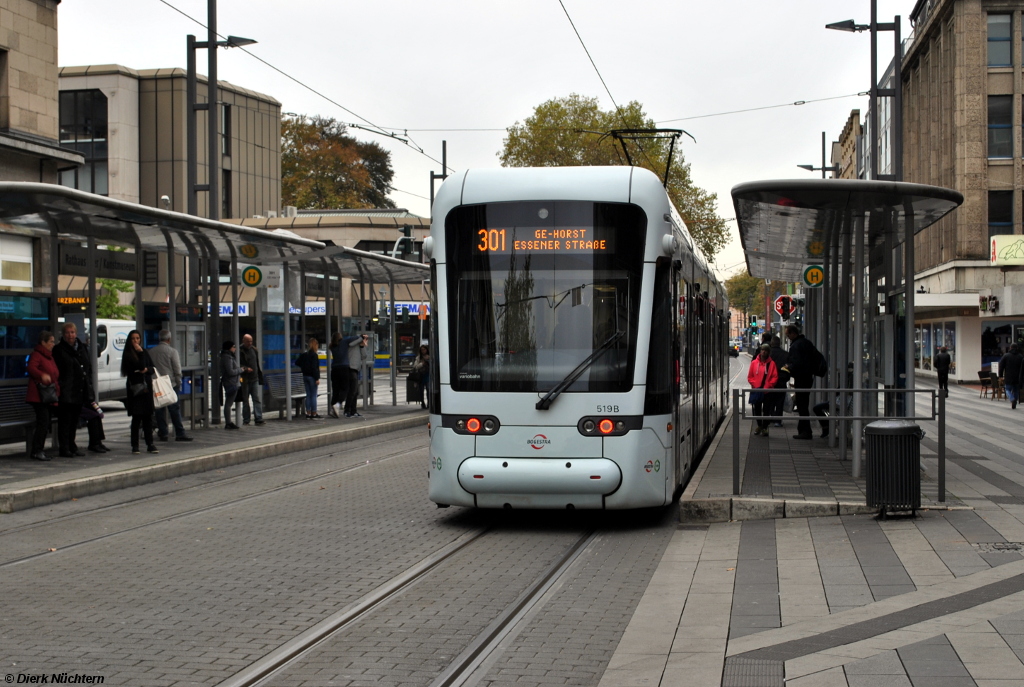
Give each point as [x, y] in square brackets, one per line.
[473, 425]
[595, 477]
[478, 476]
[606, 426]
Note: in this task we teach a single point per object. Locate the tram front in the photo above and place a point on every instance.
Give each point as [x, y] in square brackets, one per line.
[541, 385]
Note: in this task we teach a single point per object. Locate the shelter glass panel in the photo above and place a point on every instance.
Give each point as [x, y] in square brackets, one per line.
[926, 347]
[950, 343]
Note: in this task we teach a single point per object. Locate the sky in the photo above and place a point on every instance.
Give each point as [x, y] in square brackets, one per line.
[465, 70]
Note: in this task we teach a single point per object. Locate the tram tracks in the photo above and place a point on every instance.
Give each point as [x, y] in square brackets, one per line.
[204, 509]
[469, 666]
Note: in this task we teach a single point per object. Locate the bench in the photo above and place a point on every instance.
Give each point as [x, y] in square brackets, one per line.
[274, 392]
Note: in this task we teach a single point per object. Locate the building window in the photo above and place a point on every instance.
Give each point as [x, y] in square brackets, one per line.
[225, 130]
[1000, 133]
[15, 263]
[83, 128]
[1000, 212]
[999, 40]
[225, 190]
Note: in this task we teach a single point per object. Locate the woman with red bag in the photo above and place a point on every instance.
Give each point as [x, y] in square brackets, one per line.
[43, 390]
[763, 374]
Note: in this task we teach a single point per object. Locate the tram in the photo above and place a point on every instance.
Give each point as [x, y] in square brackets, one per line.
[581, 342]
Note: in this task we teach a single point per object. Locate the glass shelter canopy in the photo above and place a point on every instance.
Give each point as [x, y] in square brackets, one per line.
[784, 226]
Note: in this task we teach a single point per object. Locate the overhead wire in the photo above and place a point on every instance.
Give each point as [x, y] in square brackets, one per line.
[375, 128]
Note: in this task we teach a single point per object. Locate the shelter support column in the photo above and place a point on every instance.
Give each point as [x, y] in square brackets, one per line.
[908, 306]
[859, 311]
[287, 342]
[93, 325]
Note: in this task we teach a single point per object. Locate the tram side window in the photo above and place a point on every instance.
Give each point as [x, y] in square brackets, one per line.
[660, 367]
[684, 348]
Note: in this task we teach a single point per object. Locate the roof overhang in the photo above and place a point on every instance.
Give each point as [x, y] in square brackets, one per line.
[34, 209]
[787, 225]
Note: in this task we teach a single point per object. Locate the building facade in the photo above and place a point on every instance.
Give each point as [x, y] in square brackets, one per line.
[963, 86]
[130, 126]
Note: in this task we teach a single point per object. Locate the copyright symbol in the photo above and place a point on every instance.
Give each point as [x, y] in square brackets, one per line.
[8, 678]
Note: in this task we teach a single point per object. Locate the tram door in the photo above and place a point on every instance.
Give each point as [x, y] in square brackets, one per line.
[678, 459]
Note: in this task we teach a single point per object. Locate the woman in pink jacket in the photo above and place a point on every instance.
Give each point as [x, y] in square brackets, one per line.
[42, 370]
[763, 374]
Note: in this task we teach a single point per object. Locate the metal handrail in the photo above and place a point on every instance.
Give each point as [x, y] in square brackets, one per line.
[938, 414]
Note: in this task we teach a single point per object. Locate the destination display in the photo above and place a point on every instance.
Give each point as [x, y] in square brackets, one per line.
[545, 240]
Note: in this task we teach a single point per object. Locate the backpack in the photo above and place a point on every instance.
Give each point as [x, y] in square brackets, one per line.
[821, 367]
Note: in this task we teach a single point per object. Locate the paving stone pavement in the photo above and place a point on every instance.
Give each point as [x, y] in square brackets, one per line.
[936, 600]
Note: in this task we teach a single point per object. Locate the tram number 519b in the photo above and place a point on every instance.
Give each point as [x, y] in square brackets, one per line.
[491, 240]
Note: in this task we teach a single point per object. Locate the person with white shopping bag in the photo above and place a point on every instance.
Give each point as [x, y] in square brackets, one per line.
[167, 362]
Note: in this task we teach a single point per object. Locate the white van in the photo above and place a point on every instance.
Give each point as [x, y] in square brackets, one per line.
[112, 335]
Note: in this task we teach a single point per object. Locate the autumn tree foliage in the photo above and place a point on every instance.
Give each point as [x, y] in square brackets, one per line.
[572, 131]
[322, 167]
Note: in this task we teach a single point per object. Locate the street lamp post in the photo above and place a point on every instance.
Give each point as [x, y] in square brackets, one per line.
[213, 130]
[811, 168]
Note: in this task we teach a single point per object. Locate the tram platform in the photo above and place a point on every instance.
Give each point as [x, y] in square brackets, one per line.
[844, 599]
[26, 483]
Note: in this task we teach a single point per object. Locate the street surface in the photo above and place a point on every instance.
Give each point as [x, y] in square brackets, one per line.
[190, 583]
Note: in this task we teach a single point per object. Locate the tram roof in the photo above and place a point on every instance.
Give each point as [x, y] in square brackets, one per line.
[35, 209]
[787, 225]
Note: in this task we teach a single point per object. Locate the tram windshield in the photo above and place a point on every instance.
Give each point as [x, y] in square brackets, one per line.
[536, 287]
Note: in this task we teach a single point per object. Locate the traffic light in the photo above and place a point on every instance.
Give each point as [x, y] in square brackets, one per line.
[753, 324]
[407, 242]
[786, 307]
[405, 315]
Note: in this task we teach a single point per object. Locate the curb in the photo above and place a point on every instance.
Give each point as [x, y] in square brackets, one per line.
[30, 497]
[727, 508]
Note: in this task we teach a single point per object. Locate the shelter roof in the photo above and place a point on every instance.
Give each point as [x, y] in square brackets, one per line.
[786, 225]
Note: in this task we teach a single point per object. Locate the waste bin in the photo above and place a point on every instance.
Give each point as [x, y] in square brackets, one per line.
[893, 465]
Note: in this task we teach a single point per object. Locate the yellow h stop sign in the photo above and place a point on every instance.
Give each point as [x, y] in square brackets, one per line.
[252, 276]
[814, 276]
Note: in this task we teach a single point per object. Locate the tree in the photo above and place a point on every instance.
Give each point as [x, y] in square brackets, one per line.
[571, 131]
[746, 293]
[108, 303]
[322, 167]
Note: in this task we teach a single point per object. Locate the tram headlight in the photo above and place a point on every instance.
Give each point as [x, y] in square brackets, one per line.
[489, 425]
[589, 426]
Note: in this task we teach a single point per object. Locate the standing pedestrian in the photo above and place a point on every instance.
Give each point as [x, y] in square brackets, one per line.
[42, 372]
[252, 381]
[137, 368]
[167, 362]
[309, 363]
[340, 370]
[1011, 370]
[229, 374]
[778, 398]
[421, 368]
[804, 360]
[75, 367]
[353, 377]
[942, 363]
[762, 375]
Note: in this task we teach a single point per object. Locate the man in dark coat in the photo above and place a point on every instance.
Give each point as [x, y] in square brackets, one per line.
[803, 361]
[1011, 369]
[942, 363]
[781, 358]
[72, 358]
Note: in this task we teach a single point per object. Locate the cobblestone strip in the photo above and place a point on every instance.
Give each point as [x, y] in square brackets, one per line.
[573, 637]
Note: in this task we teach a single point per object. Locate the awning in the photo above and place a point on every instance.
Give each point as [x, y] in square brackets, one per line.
[783, 225]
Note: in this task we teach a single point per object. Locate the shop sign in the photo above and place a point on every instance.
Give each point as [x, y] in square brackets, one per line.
[109, 264]
[1006, 249]
[415, 307]
[988, 304]
[24, 308]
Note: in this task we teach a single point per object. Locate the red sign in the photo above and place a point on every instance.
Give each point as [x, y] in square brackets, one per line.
[778, 304]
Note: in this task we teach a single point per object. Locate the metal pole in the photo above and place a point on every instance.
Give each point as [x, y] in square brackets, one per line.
[172, 286]
[191, 126]
[822, 154]
[93, 325]
[908, 280]
[858, 338]
[394, 345]
[287, 344]
[897, 108]
[873, 93]
[736, 442]
[839, 380]
[234, 326]
[833, 317]
[213, 270]
[212, 114]
[942, 447]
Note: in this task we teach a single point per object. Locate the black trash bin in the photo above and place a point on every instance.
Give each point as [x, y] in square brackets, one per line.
[893, 465]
